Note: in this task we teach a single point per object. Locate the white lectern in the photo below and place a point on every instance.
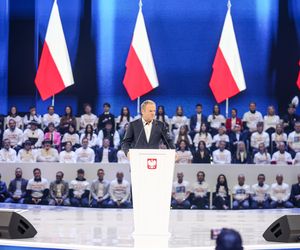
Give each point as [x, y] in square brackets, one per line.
[151, 177]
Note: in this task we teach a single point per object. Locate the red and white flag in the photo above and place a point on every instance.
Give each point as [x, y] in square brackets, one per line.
[54, 73]
[227, 78]
[298, 81]
[140, 76]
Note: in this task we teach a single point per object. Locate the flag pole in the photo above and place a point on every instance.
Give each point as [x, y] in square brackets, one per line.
[53, 101]
[227, 107]
[138, 105]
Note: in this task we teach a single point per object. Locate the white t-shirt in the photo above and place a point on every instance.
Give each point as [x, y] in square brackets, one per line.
[216, 121]
[74, 138]
[119, 191]
[220, 157]
[180, 190]
[241, 192]
[202, 137]
[278, 138]
[15, 136]
[8, 155]
[184, 157]
[271, 121]
[37, 187]
[260, 193]
[47, 118]
[294, 141]
[27, 156]
[44, 155]
[280, 192]
[122, 158]
[264, 158]
[88, 119]
[282, 159]
[252, 119]
[257, 138]
[85, 155]
[67, 157]
[200, 190]
[79, 187]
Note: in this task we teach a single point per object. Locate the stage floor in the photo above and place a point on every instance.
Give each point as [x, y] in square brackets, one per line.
[88, 228]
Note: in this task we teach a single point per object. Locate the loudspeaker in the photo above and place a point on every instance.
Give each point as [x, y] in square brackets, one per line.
[15, 226]
[285, 229]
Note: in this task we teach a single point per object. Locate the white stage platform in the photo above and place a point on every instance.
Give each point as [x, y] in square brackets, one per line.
[88, 228]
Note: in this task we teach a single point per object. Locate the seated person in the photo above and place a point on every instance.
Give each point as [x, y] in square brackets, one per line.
[290, 118]
[184, 155]
[180, 193]
[85, 154]
[88, 118]
[99, 190]
[280, 193]
[295, 193]
[294, 140]
[183, 135]
[222, 155]
[271, 120]
[53, 135]
[122, 158]
[66, 120]
[37, 189]
[7, 154]
[32, 116]
[236, 136]
[47, 153]
[51, 117]
[277, 137]
[105, 117]
[106, 154]
[90, 135]
[109, 132]
[119, 192]
[216, 120]
[13, 115]
[14, 134]
[17, 188]
[281, 157]
[34, 134]
[202, 155]
[200, 192]
[196, 120]
[161, 116]
[3, 190]
[27, 154]
[203, 135]
[220, 136]
[79, 190]
[260, 197]
[241, 156]
[59, 191]
[259, 137]
[241, 194]
[251, 118]
[222, 197]
[178, 120]
[123, 119]
[262, 156]
[71, 136]
[67, 156]
[233, 121]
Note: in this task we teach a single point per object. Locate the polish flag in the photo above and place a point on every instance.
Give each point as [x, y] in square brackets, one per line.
[140, 77]
[54, 73]
[298, 81]
[227, 78]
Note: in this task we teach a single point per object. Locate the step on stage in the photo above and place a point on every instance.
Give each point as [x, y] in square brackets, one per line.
[88, 228]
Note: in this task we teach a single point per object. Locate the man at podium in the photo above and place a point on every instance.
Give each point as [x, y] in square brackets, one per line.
[146, 132]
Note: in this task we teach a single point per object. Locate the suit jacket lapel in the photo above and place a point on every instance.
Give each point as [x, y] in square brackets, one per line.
[143, 135]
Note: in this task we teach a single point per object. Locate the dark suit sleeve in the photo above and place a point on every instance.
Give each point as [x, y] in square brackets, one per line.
[128, 139]
[166, 137]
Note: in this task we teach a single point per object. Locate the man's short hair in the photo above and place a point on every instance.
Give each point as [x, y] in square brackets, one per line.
[106, 104]
[36, 169]
[145, 103]
[198, 105]
[80, 171]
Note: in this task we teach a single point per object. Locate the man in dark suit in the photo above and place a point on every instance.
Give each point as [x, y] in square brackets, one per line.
[17, 188]
[295, 193]
[146, 133]
[196, 121]
[106, 153]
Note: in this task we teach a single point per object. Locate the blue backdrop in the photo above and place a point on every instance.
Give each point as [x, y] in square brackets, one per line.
[184, 36]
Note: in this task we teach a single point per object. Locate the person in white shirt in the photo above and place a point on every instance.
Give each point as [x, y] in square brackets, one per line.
[88, 118]
[14, 134]
[294, 140]
[259, 137]
[278, 136]
[161, 116]
[221, 136]
[109, 132]
[178, 120]
[262, 156]
[215, 120]
[260, 193]
[123, 119]
[13, 115]
[122, 158]
[184, 155]
[241, 194]
[90, 135]
[37, 189]
[85, 154]
[67, 156]
[79, 190]
[203, 135]
[47, 153]
[119, 192]
[180, 193]
[251, 118]
[71, 136]
[34, 134]
[200, 191]
[32, 116]
[27, 154]
[7, 154]
[222, 155]
[99, 190]
[280, 193]
[51, 117]
[271, 120]
[282, 157]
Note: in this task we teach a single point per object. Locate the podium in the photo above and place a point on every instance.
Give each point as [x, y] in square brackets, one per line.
[151, 177]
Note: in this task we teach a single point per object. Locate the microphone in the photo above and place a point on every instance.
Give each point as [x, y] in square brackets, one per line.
[139, 136]
[163, 135]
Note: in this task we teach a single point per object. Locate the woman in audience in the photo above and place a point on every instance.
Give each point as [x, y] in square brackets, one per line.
[241, 156]
[88, 118]
[53, 136]
[183, 135]
[203, 135]
[202, 155]
[122, 120]
[161, 116]
[220, 136]
[270, 120]
[262, 156]
[178, 120]
[277, 137]
[32, 116]
[90, 135]
[66, 120]
[13, 115]
[184, 155]
[72, 137]
[215, 120]
[221, 198]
